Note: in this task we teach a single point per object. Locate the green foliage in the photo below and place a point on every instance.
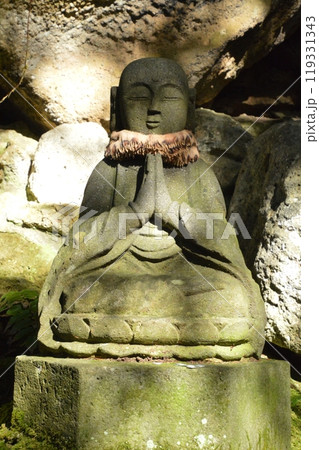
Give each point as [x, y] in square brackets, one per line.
[19, 321]
[5, 413]
[20, 436]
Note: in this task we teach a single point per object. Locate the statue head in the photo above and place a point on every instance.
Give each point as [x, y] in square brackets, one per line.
[153, 97]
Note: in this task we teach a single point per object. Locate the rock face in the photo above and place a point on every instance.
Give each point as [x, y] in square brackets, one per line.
[267, 196]
[81, 47]
[257, 87]
[41, 187]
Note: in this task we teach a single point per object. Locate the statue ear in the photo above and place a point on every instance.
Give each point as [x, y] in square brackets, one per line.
[115, 117]
[191, 110]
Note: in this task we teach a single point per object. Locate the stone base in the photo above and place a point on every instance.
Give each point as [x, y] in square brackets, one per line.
[102, 404]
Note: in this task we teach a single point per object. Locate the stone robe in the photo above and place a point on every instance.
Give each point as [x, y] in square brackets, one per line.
[127, 288]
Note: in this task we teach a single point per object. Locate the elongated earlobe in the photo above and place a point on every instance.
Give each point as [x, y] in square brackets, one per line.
[191, 110]
[115, 117]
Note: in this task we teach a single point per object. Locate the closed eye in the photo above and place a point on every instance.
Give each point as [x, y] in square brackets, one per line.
[138, 98]
[172, 98]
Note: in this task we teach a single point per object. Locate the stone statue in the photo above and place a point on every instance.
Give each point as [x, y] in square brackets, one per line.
[152, 273]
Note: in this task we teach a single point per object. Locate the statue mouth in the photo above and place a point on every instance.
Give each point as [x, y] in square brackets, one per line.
[152, 123]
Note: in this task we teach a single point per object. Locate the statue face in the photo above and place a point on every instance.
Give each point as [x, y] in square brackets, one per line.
[153, 96]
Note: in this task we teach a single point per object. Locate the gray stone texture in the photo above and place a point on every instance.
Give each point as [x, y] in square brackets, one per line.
[81, 47]
[94, 404]
[267, 196]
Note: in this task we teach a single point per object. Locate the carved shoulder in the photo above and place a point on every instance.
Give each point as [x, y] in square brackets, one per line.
[196, 185]
[99, 191]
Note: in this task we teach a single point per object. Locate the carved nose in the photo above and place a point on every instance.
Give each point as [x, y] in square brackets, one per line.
[155, 107]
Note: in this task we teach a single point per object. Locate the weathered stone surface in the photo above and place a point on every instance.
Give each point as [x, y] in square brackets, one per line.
[109, 330]
[26, 253]
[256, 125]
[16, 153]
[64, 159]
[228, 339]
[92, 404]
[155, 332]
[82, 47]
[201, 331]
[167, 335]
[51, 173]
[23, 264]
[267, 196]
[223, 144]
[72, 326]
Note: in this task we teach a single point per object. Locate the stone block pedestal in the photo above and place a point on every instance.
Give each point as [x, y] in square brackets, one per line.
[103, 404]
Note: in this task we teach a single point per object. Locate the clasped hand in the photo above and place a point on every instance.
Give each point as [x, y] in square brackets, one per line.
[153, 196]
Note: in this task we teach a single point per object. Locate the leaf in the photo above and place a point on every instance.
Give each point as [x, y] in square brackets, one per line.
[29, 294]
[7, 299]
[16, 314]
[17, 296]
[34, 307]
[19, 315]
[14, 309]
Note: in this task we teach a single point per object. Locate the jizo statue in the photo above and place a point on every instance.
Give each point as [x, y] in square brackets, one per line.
[157, 271]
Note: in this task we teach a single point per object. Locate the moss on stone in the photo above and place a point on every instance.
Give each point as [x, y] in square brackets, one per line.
[295, 392]
[20, 436]
[23, 264]
[170, 405]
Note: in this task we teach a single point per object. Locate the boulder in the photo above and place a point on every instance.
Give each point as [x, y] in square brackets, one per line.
[77, 50]
[267, 197]
[223, 144]
[23, 264]
[256, 125]
[63, 162]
